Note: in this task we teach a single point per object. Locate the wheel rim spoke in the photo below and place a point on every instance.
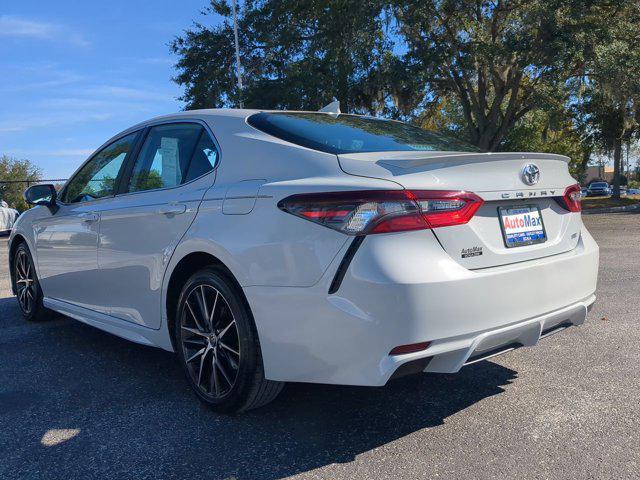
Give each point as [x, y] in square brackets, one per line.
[198, 341]
[227, 347]
[213, 310]
[197, 354]
[21, 268]
[195, 317]
[202, 330]
[218, 363]
[202, 303]
[19, 271]
[215, 385]
[226, 329]
[201, 367]
[232, 363]
[195, 331]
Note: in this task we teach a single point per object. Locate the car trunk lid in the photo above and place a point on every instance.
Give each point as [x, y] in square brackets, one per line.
[499, 180]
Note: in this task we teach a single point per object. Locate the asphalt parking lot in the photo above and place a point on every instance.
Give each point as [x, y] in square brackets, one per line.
[78, 403]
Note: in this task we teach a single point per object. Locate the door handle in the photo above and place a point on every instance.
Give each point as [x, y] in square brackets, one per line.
[89, 217]
[172, 209]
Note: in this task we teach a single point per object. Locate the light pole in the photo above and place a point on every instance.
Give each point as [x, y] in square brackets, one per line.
[235, 35]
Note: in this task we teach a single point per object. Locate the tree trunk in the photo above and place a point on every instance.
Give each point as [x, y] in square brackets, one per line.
[584, 164]
[617, 161]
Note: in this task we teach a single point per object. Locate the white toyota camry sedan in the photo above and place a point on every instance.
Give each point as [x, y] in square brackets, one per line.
[265, 247]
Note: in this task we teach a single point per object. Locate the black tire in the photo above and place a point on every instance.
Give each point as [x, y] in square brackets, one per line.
[228, 355]
[29, 294]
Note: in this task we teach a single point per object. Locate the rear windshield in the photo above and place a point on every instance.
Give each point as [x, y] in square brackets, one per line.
[598, 185]
[342, 133]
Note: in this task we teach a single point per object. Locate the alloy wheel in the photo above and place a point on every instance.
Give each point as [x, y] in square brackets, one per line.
[25, 282]
[210, 341]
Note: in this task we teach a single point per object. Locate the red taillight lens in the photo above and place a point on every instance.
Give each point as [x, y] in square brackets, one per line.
[384, 211]
[571, 199]
[446, 208]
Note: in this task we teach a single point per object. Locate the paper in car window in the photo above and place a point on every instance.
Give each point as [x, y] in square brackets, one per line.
[212, 156]
[169, 152]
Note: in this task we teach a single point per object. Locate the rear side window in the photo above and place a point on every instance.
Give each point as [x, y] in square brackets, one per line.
[205, 157]
[171, 155]
[341, 133]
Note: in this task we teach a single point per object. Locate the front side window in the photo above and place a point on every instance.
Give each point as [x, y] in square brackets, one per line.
[171, 155]
[97, 179]
[342, 133]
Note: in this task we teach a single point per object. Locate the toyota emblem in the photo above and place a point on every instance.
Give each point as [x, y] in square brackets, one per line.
[531, 174]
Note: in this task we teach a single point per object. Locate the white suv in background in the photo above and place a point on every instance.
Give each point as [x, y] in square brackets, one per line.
[7, 217]
[265, 247]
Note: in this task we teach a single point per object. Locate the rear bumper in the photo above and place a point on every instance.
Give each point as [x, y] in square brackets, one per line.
[402, 289]
[450, 355]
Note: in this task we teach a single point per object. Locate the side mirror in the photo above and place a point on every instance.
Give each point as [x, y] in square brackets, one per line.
[44, 194]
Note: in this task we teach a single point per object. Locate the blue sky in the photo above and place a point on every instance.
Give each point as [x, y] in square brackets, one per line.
[73, 73]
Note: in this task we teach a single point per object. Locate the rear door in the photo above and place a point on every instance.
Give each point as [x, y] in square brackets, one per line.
[500, 180]
[140, 229]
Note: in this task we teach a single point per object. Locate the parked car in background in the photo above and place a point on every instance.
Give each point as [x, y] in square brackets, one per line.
[633, 191]
[583, 191]
[598, 189]
[265, 247]
[7, 217]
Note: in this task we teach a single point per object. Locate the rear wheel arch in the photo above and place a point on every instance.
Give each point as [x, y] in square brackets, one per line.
[184, 269]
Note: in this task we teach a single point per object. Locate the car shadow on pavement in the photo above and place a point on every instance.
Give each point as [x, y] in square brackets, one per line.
[78, 403]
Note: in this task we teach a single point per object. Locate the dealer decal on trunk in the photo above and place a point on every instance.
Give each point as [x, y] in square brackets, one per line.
[471, 252]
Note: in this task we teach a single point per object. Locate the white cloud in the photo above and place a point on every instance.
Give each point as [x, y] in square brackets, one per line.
[113, 91]
[72, 152]
[43, 120]
[17, 27]
[11, 26]
[63, 152]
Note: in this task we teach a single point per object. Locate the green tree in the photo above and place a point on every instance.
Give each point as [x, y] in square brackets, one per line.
[499, 59]
[488, 71]
[295, 55]
[610, 91]
[16, 171]
[551, 132]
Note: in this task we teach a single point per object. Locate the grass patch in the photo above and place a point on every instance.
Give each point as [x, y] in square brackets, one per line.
[608, 202]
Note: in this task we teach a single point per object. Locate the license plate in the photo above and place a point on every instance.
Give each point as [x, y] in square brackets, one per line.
[521, 225]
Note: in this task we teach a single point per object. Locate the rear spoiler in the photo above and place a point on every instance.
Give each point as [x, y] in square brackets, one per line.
[419, 159]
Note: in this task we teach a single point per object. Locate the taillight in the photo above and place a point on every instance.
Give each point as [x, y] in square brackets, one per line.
[384, 211]
[571, 199]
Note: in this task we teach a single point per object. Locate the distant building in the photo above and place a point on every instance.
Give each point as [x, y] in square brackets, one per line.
[599, 173]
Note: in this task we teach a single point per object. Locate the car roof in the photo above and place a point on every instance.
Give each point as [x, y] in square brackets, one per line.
[209, 113]
[228, 112]
[203, 113]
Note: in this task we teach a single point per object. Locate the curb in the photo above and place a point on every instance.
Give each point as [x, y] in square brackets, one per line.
[626, 208]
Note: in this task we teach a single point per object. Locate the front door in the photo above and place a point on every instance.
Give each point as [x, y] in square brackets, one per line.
[67, 241]
[141, 227]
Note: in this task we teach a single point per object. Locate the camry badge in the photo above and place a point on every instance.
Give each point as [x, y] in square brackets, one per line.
[530, 174]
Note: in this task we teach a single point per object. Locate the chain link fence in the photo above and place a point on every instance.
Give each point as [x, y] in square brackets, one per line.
[28, 183]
